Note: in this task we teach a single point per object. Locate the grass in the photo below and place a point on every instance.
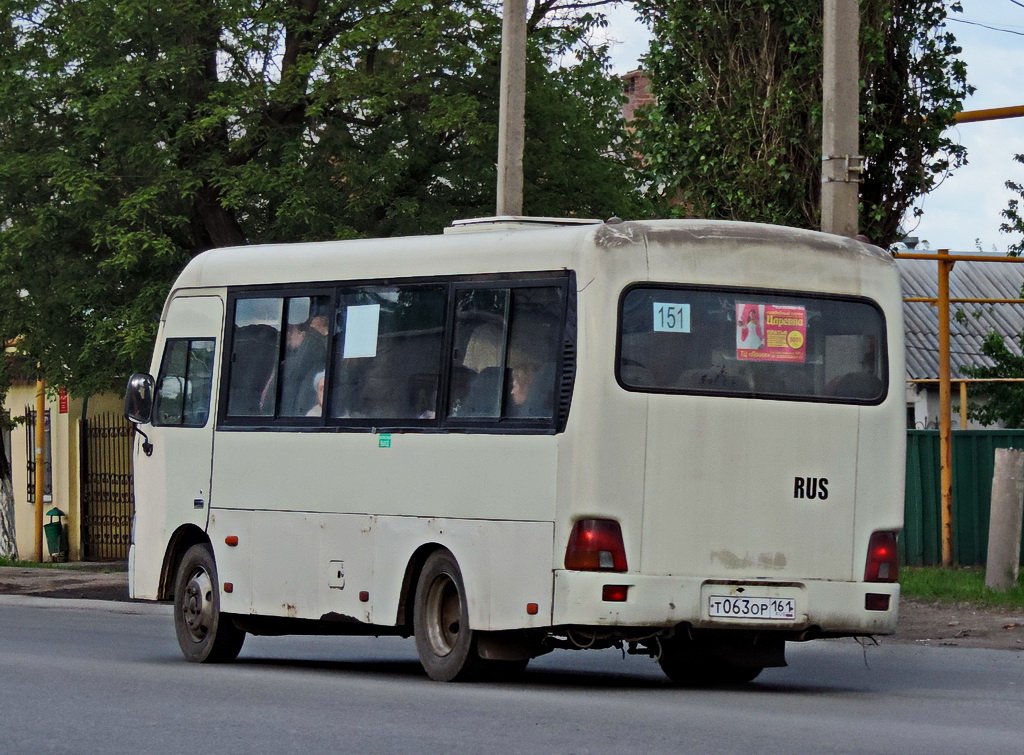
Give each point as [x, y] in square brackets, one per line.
[97, 566]
[4, 561]
[960, 585]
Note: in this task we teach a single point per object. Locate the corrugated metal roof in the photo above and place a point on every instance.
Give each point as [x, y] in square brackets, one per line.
[968, 280]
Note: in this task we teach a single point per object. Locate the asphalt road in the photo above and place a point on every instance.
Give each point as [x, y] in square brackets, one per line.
[87, 676]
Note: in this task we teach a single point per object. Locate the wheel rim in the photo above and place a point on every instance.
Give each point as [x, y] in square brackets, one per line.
[444, 614]
[197, 606]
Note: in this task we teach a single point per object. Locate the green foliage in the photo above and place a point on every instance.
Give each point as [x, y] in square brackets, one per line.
[1003, 402]
[736, 129]
[134, 135]
[1014, 215]
[957, 585]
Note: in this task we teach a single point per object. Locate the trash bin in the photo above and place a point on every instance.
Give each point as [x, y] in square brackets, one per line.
[56, 535]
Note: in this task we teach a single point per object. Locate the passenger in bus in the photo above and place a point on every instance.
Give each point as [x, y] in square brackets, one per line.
[862, 385]
[318, 386]
[532, 378]
[476, 382]
[253, 369]
[306, 355]
[532, 391]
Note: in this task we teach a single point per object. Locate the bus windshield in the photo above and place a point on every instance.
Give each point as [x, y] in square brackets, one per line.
[751, 343]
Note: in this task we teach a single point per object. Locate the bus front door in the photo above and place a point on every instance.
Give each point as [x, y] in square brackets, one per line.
[172, 486]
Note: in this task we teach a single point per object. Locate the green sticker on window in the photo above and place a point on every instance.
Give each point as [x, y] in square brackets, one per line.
[384, 440]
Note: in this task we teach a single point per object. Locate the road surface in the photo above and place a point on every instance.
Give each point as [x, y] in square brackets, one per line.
[90, 676]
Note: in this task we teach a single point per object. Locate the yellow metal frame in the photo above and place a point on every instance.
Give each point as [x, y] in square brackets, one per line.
[946, 261]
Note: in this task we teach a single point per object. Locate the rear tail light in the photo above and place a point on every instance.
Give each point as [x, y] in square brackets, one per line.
[596, 545]
[874, 601]
[615, 593]
[883, 558]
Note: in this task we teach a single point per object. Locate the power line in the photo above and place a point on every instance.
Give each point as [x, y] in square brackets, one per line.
[986, 26]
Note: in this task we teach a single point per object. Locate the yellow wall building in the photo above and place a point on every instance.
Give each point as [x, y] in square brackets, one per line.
[64, 474]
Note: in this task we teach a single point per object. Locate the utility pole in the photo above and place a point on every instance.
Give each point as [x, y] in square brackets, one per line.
[512, 108]
[841, 163]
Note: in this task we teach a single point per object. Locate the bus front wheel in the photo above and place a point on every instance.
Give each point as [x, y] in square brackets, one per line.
[444, 641]
[204, 633]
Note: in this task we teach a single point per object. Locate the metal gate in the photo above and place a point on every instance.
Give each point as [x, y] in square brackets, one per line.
[107, 500]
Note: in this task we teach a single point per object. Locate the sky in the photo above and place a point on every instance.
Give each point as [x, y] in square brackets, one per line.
[963, 213]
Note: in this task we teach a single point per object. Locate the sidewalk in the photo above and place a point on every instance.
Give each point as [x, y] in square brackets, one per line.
[92, 581]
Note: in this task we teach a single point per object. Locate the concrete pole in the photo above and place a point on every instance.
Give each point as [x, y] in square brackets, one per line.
[512, 108]
[1002, 566]
[840, 150]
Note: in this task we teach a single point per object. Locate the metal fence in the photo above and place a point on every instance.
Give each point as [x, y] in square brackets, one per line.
[107, 500]
[30, 455]
[973, 463]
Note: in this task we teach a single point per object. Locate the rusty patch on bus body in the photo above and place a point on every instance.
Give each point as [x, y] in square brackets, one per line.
[340, 618]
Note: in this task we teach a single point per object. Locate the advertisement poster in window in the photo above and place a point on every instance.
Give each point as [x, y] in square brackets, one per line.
[769, 333]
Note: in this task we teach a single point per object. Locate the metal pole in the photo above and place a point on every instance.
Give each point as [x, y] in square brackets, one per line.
[512, 108]
[992, 114]
[945, 412]
[40, 460]
[841, 162]
[963, 404]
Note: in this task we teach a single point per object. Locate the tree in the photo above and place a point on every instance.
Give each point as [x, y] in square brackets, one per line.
[1014, 214]
[736, 129]
[134, 135]
[1002, 402]
[8, 539]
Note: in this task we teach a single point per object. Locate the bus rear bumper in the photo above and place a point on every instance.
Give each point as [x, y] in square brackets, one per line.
[804, 608]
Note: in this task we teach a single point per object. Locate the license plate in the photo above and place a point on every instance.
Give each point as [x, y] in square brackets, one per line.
[749, 607]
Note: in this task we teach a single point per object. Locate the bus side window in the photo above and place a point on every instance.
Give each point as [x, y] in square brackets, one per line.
[506, 355]
[387, 352]
[533, 352]
[481, 323]
[183, 388]
[255, 346]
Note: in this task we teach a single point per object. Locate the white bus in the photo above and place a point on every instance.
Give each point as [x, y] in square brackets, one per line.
[679, 438]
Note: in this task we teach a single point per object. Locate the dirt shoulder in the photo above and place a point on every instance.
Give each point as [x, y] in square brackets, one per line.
[921, 622]
[958, 625]
[92, 582]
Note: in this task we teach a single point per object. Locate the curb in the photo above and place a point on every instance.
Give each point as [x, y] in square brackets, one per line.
[142, 608]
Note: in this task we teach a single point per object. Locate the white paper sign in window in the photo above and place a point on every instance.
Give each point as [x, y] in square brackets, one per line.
[671, 318]
[361, 325]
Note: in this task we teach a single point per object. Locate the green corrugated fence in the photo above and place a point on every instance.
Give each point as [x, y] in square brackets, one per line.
[973, 461]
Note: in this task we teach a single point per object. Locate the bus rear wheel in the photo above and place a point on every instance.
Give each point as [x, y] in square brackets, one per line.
[444, 640]
[205, 635]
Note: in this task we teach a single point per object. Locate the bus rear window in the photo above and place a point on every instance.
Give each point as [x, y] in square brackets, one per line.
[752, 344]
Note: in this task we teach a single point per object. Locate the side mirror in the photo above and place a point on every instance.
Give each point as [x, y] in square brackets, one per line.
[138, 398]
